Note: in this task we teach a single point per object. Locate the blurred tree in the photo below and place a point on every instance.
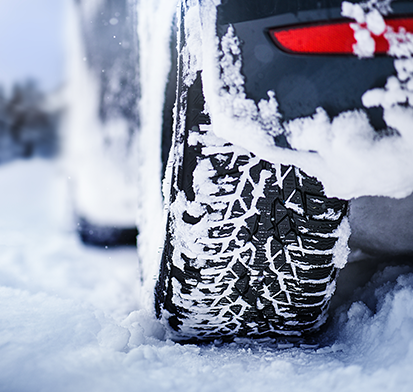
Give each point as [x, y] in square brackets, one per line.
[27, 128]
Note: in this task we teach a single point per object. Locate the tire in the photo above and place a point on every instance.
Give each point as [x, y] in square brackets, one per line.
[249, 246]
[105, 236]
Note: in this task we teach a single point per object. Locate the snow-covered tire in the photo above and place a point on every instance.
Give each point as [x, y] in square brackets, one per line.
[250, 246]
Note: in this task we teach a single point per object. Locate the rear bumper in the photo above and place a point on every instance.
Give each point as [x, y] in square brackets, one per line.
[302, 83]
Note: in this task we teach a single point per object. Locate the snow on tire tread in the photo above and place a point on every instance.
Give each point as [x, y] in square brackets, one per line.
[253, 254]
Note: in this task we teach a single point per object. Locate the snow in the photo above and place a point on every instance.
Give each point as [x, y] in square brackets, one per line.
[70, 319]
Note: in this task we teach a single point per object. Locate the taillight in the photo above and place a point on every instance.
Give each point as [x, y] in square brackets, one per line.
[331, 38]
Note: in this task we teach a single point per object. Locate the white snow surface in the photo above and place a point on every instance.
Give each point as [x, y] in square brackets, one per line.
[69, 318]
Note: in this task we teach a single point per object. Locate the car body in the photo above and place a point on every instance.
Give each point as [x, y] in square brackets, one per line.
[302, 80]
[334, 81]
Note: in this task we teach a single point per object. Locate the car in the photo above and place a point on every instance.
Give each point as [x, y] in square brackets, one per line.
[283, 112]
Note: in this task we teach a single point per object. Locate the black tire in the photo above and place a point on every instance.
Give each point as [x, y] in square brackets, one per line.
[105, 236]
[249, 245]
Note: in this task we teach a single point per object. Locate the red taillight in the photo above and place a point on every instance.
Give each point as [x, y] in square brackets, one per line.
[332, 38]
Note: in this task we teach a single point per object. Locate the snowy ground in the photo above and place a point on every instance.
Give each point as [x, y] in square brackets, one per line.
[69, 319]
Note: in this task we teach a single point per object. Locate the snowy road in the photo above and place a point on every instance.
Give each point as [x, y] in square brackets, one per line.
[69, 319]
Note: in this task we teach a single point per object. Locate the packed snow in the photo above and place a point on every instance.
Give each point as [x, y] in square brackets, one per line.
[69, 318]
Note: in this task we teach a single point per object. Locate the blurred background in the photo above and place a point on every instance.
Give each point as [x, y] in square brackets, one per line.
[32, 70]
[69, 94]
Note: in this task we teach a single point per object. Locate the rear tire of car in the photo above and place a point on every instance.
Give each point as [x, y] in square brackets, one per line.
[250, 246]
